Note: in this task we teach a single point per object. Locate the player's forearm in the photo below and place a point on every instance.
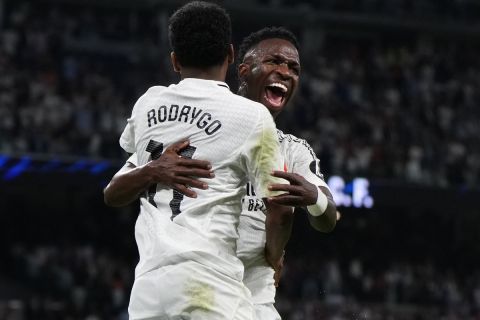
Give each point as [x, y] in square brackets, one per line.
[278, 225]
[326, 221]
[126, 186]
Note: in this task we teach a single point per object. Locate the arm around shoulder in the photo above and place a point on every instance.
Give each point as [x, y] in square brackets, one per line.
[126, 185]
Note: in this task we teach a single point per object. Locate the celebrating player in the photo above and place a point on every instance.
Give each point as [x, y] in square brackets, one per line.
[188, 267]
[269, 72]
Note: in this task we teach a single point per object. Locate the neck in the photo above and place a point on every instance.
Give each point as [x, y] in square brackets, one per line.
[216, 73]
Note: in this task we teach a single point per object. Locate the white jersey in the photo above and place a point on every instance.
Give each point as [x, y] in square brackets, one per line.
[236, 135]
[299, 158]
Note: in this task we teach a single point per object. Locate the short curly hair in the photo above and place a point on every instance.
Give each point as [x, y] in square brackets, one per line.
[263, 34]
[200, 34]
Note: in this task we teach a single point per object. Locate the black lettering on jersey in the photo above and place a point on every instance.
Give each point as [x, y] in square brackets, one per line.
[213, 127]
[204, 123]
[255, 205]
[162, 113]
[195, 115]
[177, 196]
[151, 117]
[184, 112]
[250, 191]
[155, 149]
[173, 116]
[251, 203]
[175, 204]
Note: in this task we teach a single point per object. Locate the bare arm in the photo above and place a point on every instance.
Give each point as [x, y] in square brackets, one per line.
[126, 185]
[169, 169]
[278, 225]
[301, 193]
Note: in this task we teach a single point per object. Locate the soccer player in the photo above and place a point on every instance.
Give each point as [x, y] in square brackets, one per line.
[188, 267]
[269, 73]
[269, 70]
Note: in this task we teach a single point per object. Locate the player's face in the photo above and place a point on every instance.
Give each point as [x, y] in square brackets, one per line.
[271, 71]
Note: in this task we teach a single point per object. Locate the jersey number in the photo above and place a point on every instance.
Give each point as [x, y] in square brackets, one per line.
[155, 149]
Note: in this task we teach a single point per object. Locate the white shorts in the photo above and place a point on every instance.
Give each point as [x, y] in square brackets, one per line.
[266, 312]
[189, 291]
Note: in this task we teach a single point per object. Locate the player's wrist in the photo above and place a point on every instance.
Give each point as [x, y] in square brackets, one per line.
[147, 174]
[319, 207]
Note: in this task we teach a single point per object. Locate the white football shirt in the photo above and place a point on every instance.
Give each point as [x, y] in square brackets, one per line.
[236, 135]
[299, 158]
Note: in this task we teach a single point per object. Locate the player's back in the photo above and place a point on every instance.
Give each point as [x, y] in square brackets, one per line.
[235, 134]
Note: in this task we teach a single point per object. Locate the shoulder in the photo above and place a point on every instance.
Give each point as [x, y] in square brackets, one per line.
[250, 105]
[152, 91]
[290, 139]
[294, 144]
[254, 113]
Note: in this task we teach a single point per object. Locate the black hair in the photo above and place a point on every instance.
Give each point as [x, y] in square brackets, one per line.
[200, 34]
[263, 34]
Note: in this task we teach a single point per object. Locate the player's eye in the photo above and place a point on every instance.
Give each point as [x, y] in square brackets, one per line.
[295, 70]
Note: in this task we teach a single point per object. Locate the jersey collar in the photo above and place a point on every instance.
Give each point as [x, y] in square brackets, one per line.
[204, 82]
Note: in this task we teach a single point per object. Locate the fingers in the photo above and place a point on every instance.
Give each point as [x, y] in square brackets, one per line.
[178, 146]
[292, 177]
[194, 163]
[278, 271]
[171, 158]
[284, 187]
[185, 191]
[287, 200]
[191, 182]
[276, 277]
[197, 173]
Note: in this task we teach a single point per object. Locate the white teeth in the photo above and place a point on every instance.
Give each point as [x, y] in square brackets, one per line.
[279, 85]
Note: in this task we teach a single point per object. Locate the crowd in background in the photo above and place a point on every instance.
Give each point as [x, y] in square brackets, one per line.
[74, 282]
[399, 109]
[57, 101]
[91, 281]
[402, 107]
[466, 10]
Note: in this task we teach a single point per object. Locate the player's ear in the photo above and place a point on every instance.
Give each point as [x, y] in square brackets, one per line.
[243, 70]
[231, 54]
[176, 65]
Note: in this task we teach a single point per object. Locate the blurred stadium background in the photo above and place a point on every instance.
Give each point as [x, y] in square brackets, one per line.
[389, 100]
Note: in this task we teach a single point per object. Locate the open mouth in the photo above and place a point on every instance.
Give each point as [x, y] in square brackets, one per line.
[275, 94]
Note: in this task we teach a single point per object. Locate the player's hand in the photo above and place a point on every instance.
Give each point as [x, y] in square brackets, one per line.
[299, 193]
[278, 270]
[276, 264]
[179, 173]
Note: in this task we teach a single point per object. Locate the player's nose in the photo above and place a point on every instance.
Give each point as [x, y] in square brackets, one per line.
[284, 70]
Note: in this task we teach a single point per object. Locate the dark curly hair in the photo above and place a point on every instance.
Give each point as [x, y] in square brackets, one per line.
[263, 34]
[200, 34]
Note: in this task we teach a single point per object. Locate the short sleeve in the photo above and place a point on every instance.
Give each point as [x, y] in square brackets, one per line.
[133, 159]
[306, 163]
[127, 139]
[262, 155]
